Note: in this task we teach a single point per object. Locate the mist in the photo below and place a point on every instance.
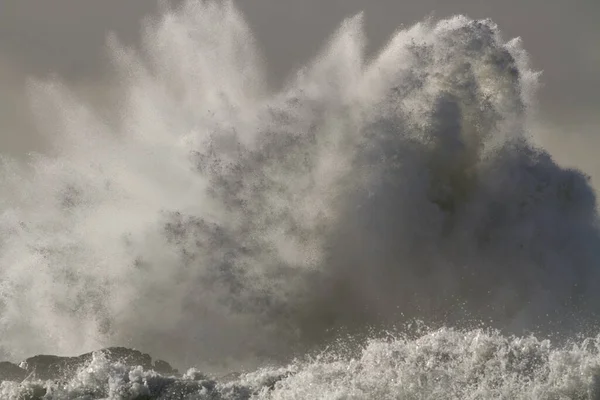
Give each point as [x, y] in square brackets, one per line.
[67, 38]
[216, 196]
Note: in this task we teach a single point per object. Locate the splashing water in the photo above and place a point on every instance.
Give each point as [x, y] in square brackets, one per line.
[443, 364]
[215, 222]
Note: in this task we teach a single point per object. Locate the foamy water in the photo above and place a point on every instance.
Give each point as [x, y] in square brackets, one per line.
[215, 223]
[443, 364]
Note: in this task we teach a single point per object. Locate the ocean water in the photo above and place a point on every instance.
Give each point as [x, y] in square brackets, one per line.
[442, 364]
[295, 235]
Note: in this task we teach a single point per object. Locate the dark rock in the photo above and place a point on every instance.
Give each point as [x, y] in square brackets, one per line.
[126, 356]
[11, 372]
[163, 367]
[47, 367]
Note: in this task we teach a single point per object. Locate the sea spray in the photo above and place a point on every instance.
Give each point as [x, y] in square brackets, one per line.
[442, 364]
[213, 222]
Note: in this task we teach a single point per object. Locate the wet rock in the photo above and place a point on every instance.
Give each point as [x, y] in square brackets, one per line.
[11, 372]
[163, 367]
[50, 367]
[46, 367]
[134, 358]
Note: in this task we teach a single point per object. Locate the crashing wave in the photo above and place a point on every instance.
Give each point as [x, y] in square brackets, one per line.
[442, 364]
[214, 222]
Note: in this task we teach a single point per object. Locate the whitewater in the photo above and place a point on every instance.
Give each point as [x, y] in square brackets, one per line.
[378, 228]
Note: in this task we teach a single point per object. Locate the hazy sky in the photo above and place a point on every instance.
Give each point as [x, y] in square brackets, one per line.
[66, 38]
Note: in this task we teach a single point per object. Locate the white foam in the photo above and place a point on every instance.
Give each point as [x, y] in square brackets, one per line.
[442, 364]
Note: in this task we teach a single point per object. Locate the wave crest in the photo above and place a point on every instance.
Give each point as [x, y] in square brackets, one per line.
[215, 219]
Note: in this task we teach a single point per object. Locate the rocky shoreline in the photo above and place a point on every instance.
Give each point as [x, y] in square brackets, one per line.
[124, 374]
[50, 367]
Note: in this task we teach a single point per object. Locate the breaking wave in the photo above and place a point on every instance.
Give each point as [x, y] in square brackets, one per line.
[217, 223]
[443, 364]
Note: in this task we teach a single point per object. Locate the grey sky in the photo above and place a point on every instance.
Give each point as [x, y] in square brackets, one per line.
[66, 38]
